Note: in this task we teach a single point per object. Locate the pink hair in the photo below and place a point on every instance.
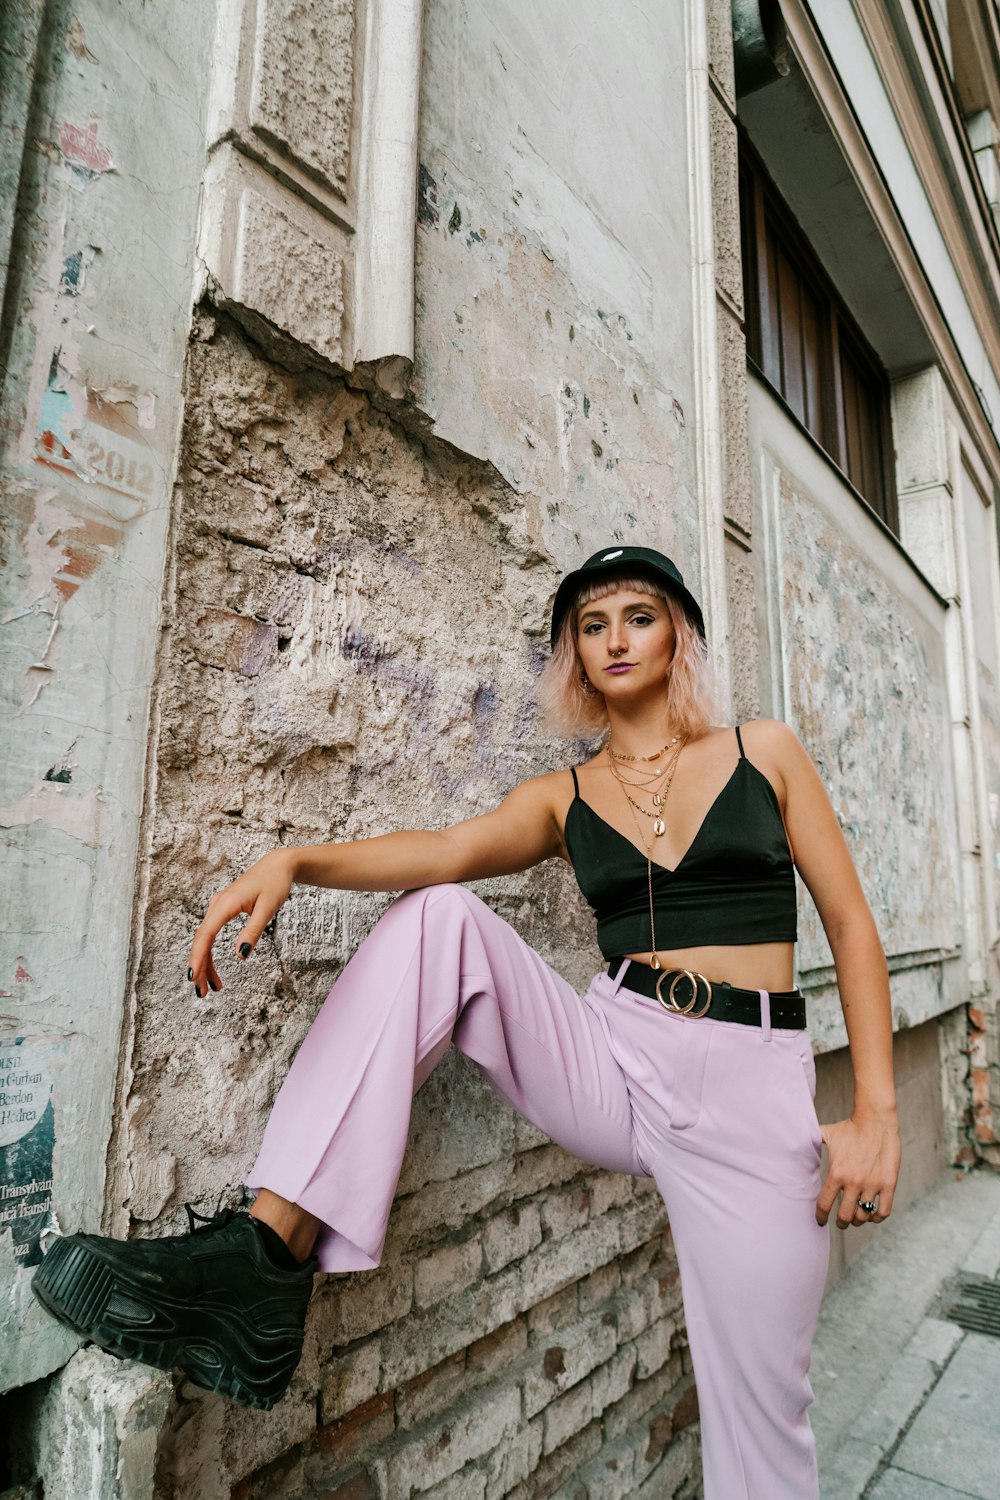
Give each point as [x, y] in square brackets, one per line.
[691, 697]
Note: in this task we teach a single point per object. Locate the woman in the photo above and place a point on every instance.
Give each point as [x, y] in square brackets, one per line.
[687, 1060]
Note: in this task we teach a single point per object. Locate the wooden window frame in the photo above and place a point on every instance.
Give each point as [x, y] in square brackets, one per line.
[766, 219]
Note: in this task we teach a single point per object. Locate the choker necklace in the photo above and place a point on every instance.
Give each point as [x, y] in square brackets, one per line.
[617, 755]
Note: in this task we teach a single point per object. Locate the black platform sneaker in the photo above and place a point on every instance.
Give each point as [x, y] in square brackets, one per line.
[210, 1301]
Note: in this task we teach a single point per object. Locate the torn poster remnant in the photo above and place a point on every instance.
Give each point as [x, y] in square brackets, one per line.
[98, 436]
[27, 1143]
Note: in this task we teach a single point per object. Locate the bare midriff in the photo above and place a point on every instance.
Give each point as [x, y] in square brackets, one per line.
[748, 966]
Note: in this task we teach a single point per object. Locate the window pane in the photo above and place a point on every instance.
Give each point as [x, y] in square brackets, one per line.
[863, 459]
[852, 430]
[792, 374]
[770, 323]
[812, 352]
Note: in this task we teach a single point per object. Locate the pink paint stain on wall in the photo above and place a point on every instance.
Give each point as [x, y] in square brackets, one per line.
[80, 147]
[79, 815]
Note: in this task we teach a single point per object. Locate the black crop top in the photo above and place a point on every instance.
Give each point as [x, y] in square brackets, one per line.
[735, 884]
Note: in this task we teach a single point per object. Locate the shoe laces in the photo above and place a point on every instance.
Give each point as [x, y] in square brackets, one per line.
[208, 1222]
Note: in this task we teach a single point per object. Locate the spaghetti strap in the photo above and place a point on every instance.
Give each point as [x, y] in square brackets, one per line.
[743, 754]
[576, 784]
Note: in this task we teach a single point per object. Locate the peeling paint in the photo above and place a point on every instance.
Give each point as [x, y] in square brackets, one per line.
[76, 41]
[428, 197]
[38, 672]
[45, 554]
[74, 270]
[78, 815]
[103, 188]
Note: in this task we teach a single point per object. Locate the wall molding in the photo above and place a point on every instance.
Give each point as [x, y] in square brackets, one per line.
[707, 388]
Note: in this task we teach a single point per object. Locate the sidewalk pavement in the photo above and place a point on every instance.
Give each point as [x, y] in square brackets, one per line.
[907, 1401]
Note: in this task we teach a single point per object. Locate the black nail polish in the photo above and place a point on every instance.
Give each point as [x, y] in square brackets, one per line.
[190, 973]
[245, 950]
[213, 984]
[195, 988]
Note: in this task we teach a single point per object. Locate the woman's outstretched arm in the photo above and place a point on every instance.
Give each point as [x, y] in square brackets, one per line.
[521, 832]
[864, 1151]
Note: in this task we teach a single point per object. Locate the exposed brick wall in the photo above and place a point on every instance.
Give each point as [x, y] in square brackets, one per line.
[566, 1367]
[984, 1076]
[352, 631]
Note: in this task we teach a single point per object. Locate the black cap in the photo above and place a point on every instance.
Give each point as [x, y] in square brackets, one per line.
[616, 559]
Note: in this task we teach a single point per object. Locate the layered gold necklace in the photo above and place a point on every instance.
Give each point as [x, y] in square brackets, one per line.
[655, 783]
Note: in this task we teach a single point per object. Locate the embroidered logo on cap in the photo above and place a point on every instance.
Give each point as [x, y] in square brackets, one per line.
[609, 555]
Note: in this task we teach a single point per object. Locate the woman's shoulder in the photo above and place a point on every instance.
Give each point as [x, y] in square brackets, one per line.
[547, 798]
[775, 748]
[549, 790]
[772, 734]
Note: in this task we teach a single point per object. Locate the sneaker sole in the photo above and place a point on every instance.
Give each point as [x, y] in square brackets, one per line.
[75, 1286]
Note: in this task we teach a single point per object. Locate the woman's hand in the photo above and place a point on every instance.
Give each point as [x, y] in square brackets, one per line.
[864, 1154]
[260, 892]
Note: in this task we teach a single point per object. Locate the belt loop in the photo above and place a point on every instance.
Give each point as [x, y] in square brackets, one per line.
[617, 981]
[765, 1015]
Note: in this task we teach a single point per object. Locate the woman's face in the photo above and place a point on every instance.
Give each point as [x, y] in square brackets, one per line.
[625, 642]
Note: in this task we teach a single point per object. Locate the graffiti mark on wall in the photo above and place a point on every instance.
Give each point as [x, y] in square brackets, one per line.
[27, 1141]
[82, 150]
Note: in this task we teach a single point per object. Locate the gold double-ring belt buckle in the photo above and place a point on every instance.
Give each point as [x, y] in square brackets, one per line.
[670, 1003]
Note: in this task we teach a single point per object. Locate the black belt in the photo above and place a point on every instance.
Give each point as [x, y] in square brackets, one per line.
[691, 994]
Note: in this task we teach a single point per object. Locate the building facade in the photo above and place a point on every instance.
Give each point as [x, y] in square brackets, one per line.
[333, 333]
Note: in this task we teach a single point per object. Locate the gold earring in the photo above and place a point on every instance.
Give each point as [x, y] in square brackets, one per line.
[585, 682]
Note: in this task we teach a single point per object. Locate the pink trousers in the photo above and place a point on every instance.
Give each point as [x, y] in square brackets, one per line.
[720, 1114]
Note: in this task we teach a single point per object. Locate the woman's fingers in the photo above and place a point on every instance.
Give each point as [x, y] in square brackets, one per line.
[223, 906]
[826, 1199]
[857, 1176]
[882, 1198]
[849, 1211]
[884, 1195]
[260, 914]
[259, 894]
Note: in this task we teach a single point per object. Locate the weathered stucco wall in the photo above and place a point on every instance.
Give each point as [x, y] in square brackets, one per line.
[104, 129]
[948, 523]
[354, 624]
[858, 666]
[554, 284]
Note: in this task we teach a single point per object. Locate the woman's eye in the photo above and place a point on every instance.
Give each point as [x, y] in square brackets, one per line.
[589, 629]
[641, 620]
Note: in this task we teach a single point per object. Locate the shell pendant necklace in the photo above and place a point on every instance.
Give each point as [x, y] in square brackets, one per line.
[656, 786]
